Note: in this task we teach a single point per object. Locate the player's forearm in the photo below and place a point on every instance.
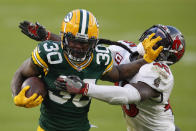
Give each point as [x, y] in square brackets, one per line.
[17, 82]
[54, 37]
[114, 94]
[27, 69]
[129, 70]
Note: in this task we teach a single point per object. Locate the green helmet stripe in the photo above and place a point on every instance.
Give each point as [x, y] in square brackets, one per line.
[81, 18]
[84, 21]
[87, 22]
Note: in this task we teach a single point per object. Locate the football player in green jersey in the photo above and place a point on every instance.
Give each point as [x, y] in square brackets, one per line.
[77, 53]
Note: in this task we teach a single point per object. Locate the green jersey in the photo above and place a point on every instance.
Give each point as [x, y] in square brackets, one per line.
[61, 111]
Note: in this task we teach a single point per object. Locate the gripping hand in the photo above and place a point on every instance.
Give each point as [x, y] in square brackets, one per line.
[72, 84]
[151, 54]
[34, 31]
[23, 101]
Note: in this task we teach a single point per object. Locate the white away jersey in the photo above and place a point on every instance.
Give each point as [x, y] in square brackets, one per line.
[120, 55]
[154, 114]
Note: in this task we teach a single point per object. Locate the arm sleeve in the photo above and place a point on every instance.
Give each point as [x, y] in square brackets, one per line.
[114, 94]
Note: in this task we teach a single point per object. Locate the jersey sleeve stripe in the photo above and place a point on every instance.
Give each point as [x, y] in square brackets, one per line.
[39, 61]
[109, 67]
[81, 66]
[35, 60]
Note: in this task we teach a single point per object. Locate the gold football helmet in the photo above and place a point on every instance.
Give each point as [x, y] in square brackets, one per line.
[82, 27]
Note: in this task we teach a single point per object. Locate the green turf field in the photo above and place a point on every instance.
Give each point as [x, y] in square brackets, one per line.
[118, 19]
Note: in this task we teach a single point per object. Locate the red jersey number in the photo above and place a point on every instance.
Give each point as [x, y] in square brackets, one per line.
[160, 65]
[131, 44]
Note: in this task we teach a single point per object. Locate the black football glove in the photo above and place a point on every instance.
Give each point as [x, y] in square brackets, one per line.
[72, 84]
[34, 31]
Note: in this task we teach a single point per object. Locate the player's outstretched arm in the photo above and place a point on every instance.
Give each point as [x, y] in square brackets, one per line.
[125, 71]
[130, 93]
[37, 32]
[27, 69]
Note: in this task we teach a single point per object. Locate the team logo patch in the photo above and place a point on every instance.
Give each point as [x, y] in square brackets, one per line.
[157, 82]
[178, 46]
[68, 17]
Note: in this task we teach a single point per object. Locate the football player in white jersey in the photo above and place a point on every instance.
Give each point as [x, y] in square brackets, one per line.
[145, 97]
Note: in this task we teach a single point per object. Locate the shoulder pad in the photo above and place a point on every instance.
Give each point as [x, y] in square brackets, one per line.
[155, 76]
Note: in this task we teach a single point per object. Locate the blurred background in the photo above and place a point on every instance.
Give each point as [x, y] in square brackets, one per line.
[118, 19]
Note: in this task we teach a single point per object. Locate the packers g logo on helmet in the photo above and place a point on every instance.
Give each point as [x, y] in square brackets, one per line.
[68, 17]
[79, 25]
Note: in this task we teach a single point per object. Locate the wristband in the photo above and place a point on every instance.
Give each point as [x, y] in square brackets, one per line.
[84, 90]
[48, 36]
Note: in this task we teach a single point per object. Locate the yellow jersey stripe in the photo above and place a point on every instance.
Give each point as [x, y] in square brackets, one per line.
[34, 59]
[81, 66]
[88, 62]
[109, 67]
[39, 61]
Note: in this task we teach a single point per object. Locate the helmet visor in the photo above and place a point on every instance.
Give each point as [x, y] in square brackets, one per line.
[165, 42]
